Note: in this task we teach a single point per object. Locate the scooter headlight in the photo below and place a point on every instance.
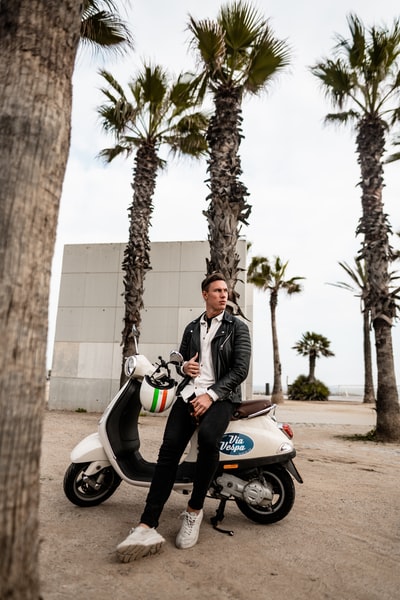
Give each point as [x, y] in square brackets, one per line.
[130, 365]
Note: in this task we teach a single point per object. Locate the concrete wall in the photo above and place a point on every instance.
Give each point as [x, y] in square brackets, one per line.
[87, 351]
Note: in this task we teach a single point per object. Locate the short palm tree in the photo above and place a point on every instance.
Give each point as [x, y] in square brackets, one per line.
[271, 277]
[358, 288]
[363, 83]
[238, 55]
[158, 113]
[313, 345]
[103, 28]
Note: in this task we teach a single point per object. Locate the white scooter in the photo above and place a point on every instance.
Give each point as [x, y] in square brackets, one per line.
[256, 452]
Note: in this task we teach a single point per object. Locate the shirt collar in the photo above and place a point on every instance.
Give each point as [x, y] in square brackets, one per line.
[217, 318]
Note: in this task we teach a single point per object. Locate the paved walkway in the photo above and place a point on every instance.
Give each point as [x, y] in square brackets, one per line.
[330, 413]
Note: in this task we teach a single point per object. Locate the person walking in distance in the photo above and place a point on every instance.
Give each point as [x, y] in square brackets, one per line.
[216, 349]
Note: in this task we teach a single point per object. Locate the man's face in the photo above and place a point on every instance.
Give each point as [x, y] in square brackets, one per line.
[216, 298]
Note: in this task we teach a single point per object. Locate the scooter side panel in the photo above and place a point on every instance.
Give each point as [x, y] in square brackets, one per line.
[249, 439]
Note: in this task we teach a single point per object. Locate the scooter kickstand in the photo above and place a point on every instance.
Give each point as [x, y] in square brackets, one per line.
[219, 517]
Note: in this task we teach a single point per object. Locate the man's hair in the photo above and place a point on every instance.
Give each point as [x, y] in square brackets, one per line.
[210, 278]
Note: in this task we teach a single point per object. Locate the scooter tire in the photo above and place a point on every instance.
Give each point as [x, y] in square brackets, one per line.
[284, 495]
[81, 493]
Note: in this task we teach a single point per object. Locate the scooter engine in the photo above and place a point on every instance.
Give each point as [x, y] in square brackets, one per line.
[255, 492]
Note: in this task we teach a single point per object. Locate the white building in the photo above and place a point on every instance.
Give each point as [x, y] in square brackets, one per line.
[87, 348]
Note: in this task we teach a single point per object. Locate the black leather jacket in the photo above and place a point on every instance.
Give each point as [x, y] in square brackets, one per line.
[230, 350]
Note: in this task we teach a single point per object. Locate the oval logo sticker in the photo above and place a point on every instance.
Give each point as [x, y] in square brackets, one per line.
[235, 444]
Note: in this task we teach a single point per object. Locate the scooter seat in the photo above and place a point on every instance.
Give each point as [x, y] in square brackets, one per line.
[251, 408]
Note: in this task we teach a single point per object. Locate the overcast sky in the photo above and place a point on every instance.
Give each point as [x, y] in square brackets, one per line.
[302, 177]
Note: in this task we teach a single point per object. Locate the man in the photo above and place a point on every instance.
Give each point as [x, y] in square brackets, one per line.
[216, 349]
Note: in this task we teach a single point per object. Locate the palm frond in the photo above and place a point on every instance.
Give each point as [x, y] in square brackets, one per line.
[242, 25]
[108, 154]
[153, 82]
[268, 58]
[342, 118]
[102, 28]
[209, 41]
[110, 79]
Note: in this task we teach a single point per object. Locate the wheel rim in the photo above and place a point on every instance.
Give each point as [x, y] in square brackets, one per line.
[85, 489]
[278, 497]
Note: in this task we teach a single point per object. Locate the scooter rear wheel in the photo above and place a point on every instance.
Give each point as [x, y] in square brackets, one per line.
[92, 490]
[283, 497]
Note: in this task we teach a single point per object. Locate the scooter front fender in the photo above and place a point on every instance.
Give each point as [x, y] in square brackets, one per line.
[89, 449]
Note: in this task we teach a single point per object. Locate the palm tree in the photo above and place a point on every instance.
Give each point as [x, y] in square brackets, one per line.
[238, 55]
[158, 114]
[363, 83]
[102, 27]
[313, 345]
[272, 277]
[37, 62]
[360, 282]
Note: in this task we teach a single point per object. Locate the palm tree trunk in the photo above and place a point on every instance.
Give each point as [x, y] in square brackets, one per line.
[136, 261]
[369, 393]
[38, 41]
[377, 253]
[277, 394]
[387, 404]
[312, 362]
[228, 207]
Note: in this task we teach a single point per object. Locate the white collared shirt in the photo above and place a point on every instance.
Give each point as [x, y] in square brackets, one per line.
[201, 384]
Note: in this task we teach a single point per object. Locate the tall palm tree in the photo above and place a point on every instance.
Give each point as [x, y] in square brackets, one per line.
[158, 113]
[313, 345]
[102, 27]
[38, 43]
[359, 278]
[271, 277]
[238, 54]
[363, 83]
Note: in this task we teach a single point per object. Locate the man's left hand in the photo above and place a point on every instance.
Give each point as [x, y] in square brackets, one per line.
[201, 404]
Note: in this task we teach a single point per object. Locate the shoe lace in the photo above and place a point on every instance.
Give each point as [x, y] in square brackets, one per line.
[189, 520]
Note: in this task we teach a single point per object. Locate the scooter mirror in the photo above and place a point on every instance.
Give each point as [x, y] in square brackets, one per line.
[130, 365]
[175, 358]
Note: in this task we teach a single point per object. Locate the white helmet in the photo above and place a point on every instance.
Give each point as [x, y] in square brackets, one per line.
[157, 395]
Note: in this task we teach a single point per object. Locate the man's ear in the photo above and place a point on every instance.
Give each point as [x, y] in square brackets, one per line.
[204, 292]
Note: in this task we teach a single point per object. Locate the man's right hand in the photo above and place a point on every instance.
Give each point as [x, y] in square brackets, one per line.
[192, 367]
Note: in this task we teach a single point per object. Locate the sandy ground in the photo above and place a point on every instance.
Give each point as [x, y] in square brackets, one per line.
[340, 541]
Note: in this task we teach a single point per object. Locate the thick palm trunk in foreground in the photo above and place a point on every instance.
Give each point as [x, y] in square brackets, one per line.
[38, 41]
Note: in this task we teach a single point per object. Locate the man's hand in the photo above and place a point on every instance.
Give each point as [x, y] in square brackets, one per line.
[201, 404]
[192, 367]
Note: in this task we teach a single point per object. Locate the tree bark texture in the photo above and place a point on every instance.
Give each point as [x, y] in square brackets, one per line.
[228, 208]
[277, 394]
[136, 261]
[38, 41]
[369, 392]
[312, 359]
[377, 253]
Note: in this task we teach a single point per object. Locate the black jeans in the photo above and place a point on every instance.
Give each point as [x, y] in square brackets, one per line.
[178, 431]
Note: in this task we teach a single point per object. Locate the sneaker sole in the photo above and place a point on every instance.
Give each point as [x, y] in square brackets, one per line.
[131, 553]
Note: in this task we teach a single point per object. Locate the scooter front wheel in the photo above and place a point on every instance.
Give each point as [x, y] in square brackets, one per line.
[278, 480]
[91, 490]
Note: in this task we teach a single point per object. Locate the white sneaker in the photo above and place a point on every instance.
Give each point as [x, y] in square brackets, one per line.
[189, 532]
[140, 542]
